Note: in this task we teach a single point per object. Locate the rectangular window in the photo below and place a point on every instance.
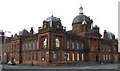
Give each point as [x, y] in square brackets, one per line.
[33, 46]
[78, 46]
[68, 58]
[32, 55]
[82, 57]
[116, 57]
[103, 57]
[68, 44]
[106, 57]
[81, 45]
[109, 49]
[29, 56]
[37, 45]
[73, 56]
[43, 56]
[29, 46]
[36, 56]
[109, 57]
[59, 56]
[54, 55]
[78, 57]
[13, 47]
[26, 46]
[57, 42]
[73, 46]
[6, 49]
[65, 55]
[23, 47]
[18, 47]
[24, 56]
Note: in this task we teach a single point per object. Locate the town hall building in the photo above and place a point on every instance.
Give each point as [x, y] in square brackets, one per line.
[54, 45]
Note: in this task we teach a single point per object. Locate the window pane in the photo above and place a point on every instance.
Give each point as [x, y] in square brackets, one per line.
[57, 42]
[68, 57]
[23, 46]
[59, 55]
[68, 45]
[109, 57]
[45, 43]
[33, 45]
[32, 55]
[26, 46]
[73, 45]
[78, 56]
[36, 56]
[82, 45]
[78, 46]
[82, 57]
[73, 56]
[37, 45]
[43, 56]
[103, 57]
[54, 55]
[27, 56]
[29, 46]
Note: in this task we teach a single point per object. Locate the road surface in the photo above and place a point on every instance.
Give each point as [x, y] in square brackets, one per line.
[103, 67]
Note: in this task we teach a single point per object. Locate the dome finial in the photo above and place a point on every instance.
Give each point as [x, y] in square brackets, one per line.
[81, 9]
[52, 13]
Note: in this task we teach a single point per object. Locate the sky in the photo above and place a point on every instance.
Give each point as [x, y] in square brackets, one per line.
[15, 15]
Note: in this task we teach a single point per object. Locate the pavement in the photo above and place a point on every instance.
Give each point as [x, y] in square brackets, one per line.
[102, 67]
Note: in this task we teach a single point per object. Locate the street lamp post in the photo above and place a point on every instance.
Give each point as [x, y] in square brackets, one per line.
[3, 48]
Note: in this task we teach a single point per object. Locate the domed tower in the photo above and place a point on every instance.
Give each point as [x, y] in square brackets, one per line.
[52, 22]
[80, 20]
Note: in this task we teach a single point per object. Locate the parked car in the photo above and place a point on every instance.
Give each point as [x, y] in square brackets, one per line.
[11, 63]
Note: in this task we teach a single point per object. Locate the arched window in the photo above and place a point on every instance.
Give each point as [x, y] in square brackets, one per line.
[45, 43]
[57, 42]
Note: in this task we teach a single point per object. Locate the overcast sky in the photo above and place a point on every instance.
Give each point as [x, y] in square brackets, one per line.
[15, 15]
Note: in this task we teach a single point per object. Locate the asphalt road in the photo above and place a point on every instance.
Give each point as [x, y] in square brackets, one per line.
[103, 67]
